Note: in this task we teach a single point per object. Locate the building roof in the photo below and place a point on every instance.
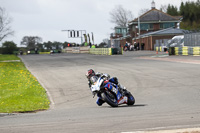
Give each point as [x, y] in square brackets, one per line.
[156, 15]
[121, 27]
[168, 31]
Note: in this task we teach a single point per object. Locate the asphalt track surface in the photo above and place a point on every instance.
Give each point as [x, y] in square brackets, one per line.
[166, 89]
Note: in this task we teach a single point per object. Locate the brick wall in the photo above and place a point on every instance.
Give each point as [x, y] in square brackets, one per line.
[151, 40]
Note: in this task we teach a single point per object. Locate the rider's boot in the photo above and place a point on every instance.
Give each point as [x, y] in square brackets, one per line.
[99, 101]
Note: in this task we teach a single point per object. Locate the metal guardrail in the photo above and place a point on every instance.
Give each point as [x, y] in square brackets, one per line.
[191, 39]
[101, 51]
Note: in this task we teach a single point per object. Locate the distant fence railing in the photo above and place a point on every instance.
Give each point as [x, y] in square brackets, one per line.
[161, 43]
[192, 38]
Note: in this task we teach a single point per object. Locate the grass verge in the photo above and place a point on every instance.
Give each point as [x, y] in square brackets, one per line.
[19, 89]
[8, 57]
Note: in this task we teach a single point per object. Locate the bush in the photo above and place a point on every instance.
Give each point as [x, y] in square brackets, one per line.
[0, 50]
[9, 47]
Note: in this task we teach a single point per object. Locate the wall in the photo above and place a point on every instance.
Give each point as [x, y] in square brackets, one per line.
[99, 51]
[76, 50]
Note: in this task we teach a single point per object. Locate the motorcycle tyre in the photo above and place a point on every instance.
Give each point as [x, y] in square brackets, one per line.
[106, 98]
[130, 101]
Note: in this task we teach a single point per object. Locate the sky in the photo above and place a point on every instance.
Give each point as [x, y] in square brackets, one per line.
[47, 18]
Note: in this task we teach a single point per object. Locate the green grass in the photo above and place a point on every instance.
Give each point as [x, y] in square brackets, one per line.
[20, 90]
[8, 57]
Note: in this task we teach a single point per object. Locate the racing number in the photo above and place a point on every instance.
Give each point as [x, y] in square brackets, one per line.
[114, 90]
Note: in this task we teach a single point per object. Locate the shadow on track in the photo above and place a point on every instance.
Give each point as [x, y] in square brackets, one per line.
[127, 106]
[135, 105]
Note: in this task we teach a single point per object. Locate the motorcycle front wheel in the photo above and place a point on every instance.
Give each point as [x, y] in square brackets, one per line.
[131, 99]
[109, 98]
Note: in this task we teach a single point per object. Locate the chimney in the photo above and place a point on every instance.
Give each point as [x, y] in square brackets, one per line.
[153, 5]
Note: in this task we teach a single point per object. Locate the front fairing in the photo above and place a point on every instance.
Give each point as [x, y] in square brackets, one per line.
[95, 87]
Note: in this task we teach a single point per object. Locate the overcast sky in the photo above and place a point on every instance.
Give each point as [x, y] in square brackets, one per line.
[46, 18]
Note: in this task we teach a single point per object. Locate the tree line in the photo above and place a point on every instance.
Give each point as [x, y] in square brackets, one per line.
[190, 13]
[34, 43]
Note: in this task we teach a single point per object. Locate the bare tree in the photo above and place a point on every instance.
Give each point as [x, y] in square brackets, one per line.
[5, 28]
[163, 8]
[121, 16]
[31, 42]
[105, 40]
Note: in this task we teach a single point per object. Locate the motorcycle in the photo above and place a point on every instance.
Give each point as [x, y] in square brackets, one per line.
[110, 92]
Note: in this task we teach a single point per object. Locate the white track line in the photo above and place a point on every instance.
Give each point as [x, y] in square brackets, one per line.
[174, 129]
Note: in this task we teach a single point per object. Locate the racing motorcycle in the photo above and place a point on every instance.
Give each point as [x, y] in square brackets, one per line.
[110, 92]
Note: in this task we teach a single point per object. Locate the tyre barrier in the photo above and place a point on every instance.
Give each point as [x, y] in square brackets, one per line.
[177, 51]
[195, 51]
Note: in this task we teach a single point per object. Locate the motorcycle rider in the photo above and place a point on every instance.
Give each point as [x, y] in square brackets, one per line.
[91, 75]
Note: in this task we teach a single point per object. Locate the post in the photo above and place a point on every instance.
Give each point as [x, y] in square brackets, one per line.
[139, 33]
[74, 35]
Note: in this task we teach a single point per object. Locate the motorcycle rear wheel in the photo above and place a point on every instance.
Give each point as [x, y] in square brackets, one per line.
[109, 98]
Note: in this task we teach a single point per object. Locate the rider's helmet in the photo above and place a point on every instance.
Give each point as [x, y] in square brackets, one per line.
[90, 73]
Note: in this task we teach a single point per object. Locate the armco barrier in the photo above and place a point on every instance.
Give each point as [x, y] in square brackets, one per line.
[195, 51]
[101, 51]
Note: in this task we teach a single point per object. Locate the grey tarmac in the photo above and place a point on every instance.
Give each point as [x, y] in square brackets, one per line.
[167, 94]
